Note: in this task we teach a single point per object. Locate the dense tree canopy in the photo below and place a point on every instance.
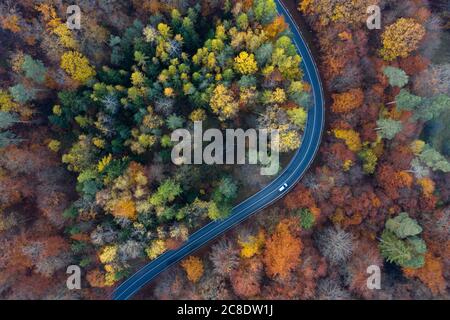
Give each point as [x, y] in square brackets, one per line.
[163, 76]
[86, 177]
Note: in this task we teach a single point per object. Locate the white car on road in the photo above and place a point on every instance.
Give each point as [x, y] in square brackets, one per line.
[283, 187]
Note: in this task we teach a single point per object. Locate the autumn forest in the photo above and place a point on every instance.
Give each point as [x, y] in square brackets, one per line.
[86, 176]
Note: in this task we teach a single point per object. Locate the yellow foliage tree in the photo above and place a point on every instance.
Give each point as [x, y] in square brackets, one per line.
[169, 92]
[110, 279]
[417, 146]
[137, 78]
[427, 186]
[350, 12]
[77, 66]
[56, 26]
[350, 137]
[289, 140]
[103, 163]
[347, 165]
[57, 110]
[223, 103]
[98, 142]
[194, 268]
[278, 96]
[164, 30]
[252, 245]
[6, 102]
[54, 145]
[370, 160]
[197, 115]
[401, 38]
[297, 116]
[108, 254]
[65, 35]
[156, 248]
[245, 63]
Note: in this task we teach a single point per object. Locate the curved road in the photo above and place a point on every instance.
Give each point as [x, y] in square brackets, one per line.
[291, 175]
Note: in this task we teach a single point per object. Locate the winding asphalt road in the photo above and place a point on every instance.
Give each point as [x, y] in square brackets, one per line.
[291, 175]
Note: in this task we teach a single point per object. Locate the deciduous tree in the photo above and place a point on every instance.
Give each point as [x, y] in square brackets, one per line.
[245, 63]
[347, 101]
[283, 248]
[351, 138]
[335, 244]
[77, 66]
[401, 38]
[223, 103]
[193, 267]
[431, 274]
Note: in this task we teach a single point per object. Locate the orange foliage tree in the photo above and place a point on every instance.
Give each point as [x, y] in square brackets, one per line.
[283, 249]
[194, 268]
[277, 26]
[347, 101]
[427, 186]
[391, 180]
[11, 23]
[430, 274]
[125, 208]
[96, 278]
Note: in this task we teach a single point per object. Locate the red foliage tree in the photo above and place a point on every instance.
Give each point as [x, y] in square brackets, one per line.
[247, 277]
